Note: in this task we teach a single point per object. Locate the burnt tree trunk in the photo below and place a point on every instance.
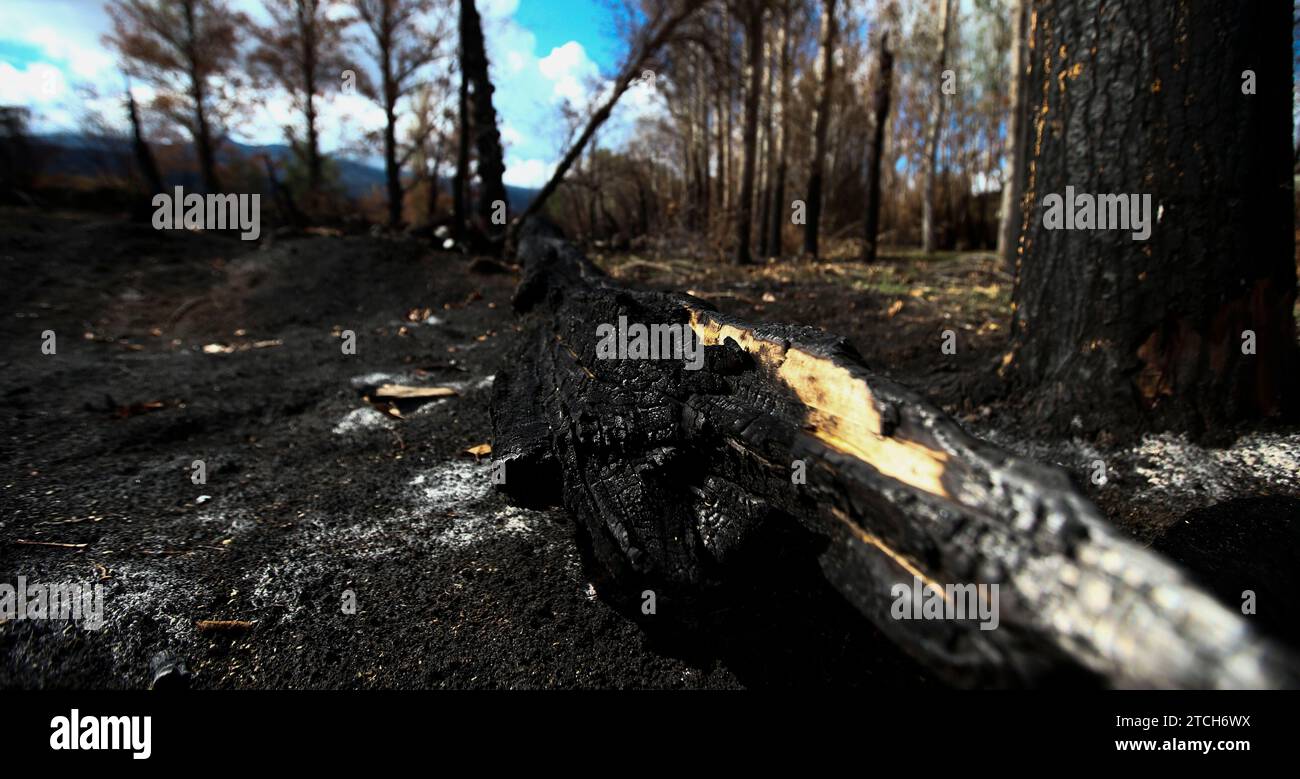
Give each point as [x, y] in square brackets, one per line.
[754, 68]
[820, 125]
[392, 171]
[1129, 334]
[487, 138]
[202, 130]
[673, 467]
[876, 145]
[460, 209]
[144, 159]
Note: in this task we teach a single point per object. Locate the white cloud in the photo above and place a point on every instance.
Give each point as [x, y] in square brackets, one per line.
[497, 9]
[532, 173]
[90, 64]
[571, 71]
[510, 136]
[37, 85]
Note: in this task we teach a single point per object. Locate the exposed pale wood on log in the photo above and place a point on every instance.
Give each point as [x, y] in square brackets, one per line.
[670, 472]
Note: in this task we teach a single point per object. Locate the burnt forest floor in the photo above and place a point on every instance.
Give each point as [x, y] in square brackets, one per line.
[173, 348]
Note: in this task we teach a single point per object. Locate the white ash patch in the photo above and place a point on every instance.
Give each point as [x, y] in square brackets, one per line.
[448, 487]
[467, 385]
[1169, 469]
[425, 408]
[143, 593]
[377, 378]
[361, 419]
[1074, 455]
[449, 506]
[228, 523]
[1173, 467]
[469, 530]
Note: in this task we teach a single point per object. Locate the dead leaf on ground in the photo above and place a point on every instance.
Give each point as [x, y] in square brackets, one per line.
[895, 308]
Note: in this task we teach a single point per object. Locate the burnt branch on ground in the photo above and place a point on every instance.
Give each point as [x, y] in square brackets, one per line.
[676, 477]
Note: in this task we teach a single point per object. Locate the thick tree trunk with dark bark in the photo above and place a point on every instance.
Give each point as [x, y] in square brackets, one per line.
[487, 138]
[815, 166]
[1118, 334]
[675, 466]
[876, 147]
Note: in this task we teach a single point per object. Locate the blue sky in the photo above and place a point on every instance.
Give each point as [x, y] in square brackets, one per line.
[556, 22]
[543, 53]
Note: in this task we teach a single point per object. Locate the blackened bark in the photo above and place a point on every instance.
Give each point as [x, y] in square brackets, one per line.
[144, 159]
[460, 209]
[307, 19]
[487, 138]
[674, 475]
[392, 171]
[754, 67]
[202, 132]
[817, 164]
[1129, 334]
[876, 145]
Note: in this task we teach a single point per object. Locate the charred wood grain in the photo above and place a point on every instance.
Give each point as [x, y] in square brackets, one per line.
[671, 473]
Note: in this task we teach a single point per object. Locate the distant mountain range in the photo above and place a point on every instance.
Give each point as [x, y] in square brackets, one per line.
[78, 154]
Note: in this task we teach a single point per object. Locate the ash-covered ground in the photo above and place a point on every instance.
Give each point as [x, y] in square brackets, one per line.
[177, 347]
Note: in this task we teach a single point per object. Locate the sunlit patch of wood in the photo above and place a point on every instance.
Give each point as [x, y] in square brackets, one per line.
[842, 410]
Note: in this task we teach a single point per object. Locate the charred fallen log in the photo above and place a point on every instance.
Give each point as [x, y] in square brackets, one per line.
[671, 471]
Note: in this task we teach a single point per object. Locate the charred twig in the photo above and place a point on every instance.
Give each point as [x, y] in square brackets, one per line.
[57, 545]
